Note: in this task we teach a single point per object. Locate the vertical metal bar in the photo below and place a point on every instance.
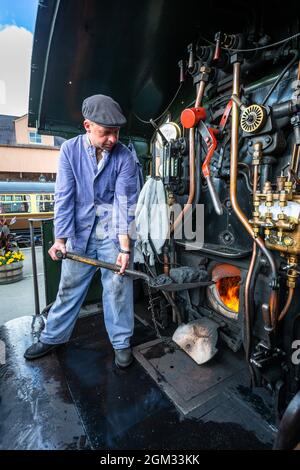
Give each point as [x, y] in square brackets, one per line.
[34, 268]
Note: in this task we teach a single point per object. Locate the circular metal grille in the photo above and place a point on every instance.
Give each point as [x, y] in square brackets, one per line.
[253, 118]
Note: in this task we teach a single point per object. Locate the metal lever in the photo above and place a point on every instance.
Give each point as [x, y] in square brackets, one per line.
[218, 39]
[181, 69]
[209, 138]
[214, 196]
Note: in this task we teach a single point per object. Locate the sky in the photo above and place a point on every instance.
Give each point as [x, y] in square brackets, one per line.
[17, 21]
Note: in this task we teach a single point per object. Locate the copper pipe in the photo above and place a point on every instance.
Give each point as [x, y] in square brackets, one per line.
[294, 163]
[274, 304]
[166, 264]
[200, 94]
[287, 304]
[234, 151]
[255, 180]
[294, 156]
[296, 150]
[292, 176]
[247, 302]
[292, 276]
[297, 161]
[233, 187]
[190, 200]
[249, 279]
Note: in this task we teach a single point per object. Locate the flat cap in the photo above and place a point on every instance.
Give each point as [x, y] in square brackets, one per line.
[103, 110]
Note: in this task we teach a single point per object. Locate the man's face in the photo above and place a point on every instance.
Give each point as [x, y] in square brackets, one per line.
[101, 137]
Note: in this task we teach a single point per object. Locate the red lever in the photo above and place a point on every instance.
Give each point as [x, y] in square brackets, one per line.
[191, 116]
[225, 115]
[211, 143]
[218, 39]
[209, 133]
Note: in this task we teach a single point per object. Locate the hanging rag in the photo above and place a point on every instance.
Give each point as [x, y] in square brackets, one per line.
[152, 221]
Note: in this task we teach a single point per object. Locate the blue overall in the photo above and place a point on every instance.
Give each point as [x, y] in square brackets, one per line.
[81, 190]
[117, 298]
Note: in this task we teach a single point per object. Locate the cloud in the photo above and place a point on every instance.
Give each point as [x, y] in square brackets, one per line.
[15, 58]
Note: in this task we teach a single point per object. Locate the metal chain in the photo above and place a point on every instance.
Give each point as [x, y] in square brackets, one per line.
[169, 345]
[151, 305]
[168, 342]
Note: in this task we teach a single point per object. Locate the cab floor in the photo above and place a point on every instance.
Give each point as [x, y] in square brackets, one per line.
[75, 398]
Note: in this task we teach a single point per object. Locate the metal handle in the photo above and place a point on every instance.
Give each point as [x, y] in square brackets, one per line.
[214, 196]
[101, 264]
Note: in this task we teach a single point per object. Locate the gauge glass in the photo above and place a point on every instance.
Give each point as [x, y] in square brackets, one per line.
[170, 130]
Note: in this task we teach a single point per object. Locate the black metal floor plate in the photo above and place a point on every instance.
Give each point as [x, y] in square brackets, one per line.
[77, 398]
[188, 384]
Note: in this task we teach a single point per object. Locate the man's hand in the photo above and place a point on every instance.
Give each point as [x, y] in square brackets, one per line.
[59, 245]
[123, 261]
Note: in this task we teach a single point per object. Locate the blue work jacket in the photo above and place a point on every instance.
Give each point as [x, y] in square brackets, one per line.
[81, 187]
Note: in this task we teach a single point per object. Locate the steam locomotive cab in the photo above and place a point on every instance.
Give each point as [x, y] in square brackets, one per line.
[211, 93]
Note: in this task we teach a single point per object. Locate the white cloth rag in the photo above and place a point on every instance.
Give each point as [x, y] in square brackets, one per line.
[151, 218]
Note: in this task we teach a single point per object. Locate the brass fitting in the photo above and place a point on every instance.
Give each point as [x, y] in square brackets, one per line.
[269, 218]
[280, 183]
[257, 154]
[292, 278]
[283, 199]
[256, 202]
[204, 73]
[282, 224]
[256, 232]
[205, 69]
[267, 187]
[292, 260]
[267, 232]
[171, 198]
[288, 186]
[288, 241]
[280, 235]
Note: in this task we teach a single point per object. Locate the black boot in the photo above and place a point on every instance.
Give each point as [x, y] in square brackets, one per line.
[123, 357]
[39, 349]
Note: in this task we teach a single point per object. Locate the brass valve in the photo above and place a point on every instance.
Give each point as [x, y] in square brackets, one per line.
[288, 186]
[292, 273]
[283, 197]
[267, 187]
[280, 182]
[288, 241]
[267, 232]
[256, 232]
[257, 154]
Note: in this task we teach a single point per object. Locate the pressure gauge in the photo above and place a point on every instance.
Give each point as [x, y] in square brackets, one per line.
[171, 131]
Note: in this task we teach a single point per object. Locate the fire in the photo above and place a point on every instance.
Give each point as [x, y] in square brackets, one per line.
[229, 288]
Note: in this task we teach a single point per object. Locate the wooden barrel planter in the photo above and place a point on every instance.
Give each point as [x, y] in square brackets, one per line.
[11, 272]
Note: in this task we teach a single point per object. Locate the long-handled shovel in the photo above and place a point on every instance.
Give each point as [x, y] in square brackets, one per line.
[152, 281]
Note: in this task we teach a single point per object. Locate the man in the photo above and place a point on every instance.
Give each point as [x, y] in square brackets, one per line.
[97, 184]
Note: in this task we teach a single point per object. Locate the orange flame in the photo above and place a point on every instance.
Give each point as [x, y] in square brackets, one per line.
[229, 288]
